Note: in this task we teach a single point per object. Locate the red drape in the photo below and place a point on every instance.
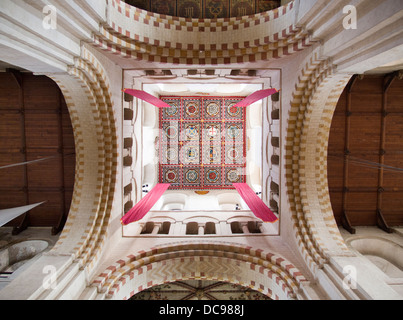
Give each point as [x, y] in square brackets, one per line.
[255, 204]
[144, 205]
[147, 97]
[255, 97]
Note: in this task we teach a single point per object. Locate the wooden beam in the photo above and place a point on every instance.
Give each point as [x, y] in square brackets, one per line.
[352, 82]
[345, 222]
[344, 219]
[16, 75]
[24, 221]
[387, 82]
[381, 222]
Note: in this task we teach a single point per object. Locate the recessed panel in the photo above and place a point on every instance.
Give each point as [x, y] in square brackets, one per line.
[202, 142]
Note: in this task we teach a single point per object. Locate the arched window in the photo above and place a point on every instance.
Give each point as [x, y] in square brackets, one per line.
[210, 228]
[192, 228]
[148, 228]
[236, 227]
[165, 227]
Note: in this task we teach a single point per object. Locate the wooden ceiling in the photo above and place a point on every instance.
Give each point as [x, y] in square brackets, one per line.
[35, 124]
[207, 9]
[365, 153]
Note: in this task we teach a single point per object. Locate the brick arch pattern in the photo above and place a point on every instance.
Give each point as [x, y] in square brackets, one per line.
[141, 35]
[258, 269]
[314, 99]
[88, 99]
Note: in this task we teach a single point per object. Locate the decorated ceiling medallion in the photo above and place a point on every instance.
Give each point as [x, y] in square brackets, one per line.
[212, 175]
[171, 112]
[233, 111]
[234, 131]
[202, 144]
[172, 154]
[192, 175]
[212, 131]
[233, 176]
[213, 109]
[192, 109]
[192, 131]
[190, 154]
[171, 175]
[171, 132]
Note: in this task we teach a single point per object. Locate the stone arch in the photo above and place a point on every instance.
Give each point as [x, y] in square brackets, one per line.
[257, 269]
[279, 36]
[314, 99]
[317, 91]
[88, 98]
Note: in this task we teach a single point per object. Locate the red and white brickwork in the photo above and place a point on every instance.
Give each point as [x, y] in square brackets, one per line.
[271, 274]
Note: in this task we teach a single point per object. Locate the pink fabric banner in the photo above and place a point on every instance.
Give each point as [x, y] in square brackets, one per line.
[147, 97]
[144, 205]
[255, 204]
[255, 97]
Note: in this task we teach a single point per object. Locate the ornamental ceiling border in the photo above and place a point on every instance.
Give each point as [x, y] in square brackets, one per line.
[141, 35]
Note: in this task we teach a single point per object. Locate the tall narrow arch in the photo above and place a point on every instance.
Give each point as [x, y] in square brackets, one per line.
[88, 98]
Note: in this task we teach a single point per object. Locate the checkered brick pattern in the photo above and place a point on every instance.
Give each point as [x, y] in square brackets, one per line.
[272, 274]
[88, 96]
[141, 35]
[317, 91]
